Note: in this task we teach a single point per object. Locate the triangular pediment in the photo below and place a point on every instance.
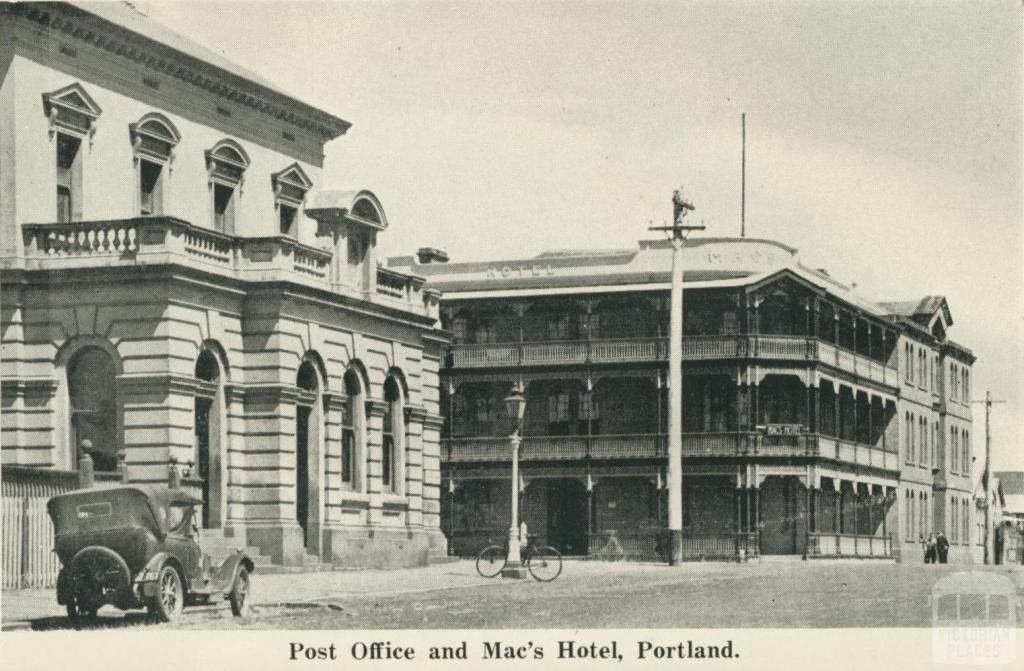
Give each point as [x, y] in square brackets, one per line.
[293, 175]
[784, 280]
[74, 97]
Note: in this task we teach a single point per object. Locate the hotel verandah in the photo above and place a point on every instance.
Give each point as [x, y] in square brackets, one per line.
[180, 291]
[815, 423]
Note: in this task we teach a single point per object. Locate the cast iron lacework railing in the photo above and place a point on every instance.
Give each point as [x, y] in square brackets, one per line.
[653, 446]
[848, 545]
[695, 348]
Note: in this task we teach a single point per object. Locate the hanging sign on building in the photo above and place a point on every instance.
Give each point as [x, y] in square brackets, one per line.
[784, 429]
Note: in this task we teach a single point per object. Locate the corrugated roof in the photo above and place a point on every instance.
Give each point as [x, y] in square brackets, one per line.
[712, 261]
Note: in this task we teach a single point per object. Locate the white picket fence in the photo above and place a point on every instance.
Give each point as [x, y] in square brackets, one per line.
[28, 558]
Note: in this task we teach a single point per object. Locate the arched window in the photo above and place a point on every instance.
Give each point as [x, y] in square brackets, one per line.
[153, 140]
[966, 442]
[954, 519]
[393, 444]
[226, 163]
[93, 407]
[922, 437]
[352, 432]
[909, 441]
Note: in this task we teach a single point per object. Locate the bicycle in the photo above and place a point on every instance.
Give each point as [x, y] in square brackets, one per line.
[543, 562]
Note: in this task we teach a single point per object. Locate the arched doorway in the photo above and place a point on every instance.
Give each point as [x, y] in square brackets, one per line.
[93, 407]
[307, 456]
[209, 400]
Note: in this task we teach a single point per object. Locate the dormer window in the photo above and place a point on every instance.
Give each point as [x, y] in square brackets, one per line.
[153, 140]
[290, 188]
[226, 164]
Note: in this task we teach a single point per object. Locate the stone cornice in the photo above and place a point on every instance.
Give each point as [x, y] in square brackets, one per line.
[81, 25]
[431, 421]
[376, 407]
[23, 387]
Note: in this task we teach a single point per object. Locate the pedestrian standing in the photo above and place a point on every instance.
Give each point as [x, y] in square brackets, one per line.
[943, 547]
[930, 549]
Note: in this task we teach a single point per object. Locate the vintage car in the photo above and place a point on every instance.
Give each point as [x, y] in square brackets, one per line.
[140, 545]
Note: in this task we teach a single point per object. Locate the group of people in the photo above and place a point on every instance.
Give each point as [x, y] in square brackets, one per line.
[936, 548]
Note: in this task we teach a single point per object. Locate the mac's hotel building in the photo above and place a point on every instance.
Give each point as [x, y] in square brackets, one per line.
[815, 423]
[178, 287]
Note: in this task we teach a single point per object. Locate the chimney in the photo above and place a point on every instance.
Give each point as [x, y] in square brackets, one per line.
[427, 255]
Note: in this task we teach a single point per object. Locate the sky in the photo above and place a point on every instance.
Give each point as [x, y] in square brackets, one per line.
[884, 140]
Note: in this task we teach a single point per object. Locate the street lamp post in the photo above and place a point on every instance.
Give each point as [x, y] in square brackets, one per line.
[515, 405]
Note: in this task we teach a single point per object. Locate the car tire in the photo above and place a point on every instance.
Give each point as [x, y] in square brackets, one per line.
[240, 596]
[77, 610]
[166, 605]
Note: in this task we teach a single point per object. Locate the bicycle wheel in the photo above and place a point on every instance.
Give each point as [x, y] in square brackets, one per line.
[545, 564]
[490, 561]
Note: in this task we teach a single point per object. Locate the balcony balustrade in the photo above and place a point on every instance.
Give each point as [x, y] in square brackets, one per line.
[695, 348]
[848, 545]
[654, 446]
[167, 240]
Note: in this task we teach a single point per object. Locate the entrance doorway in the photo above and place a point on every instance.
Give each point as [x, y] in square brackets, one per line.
[204, 406]
[567, 516]
[302, 413]
[309, 457]
[209, 407]
[783, 508]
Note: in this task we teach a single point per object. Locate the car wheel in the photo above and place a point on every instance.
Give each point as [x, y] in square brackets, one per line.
[166, 605]
[78, 610]
[240, 594]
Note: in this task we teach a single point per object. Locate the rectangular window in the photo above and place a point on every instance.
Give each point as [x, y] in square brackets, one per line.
[150, 188]
[558, 408]
[387, 458]
[458, 330]
[286, 219]
[223, 208]
[69, 177]
[558, 328]
[348, 450]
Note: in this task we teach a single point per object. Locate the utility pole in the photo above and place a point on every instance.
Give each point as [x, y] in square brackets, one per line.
[987, 477]
[678, 231]
[743, 178]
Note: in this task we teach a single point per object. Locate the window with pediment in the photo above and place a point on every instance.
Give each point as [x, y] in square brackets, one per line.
[290, 188]
[153, 138]
[226, 164]
[71, 110]
[72, 115]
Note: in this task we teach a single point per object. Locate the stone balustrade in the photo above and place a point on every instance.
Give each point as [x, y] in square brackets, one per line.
[167, 240]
